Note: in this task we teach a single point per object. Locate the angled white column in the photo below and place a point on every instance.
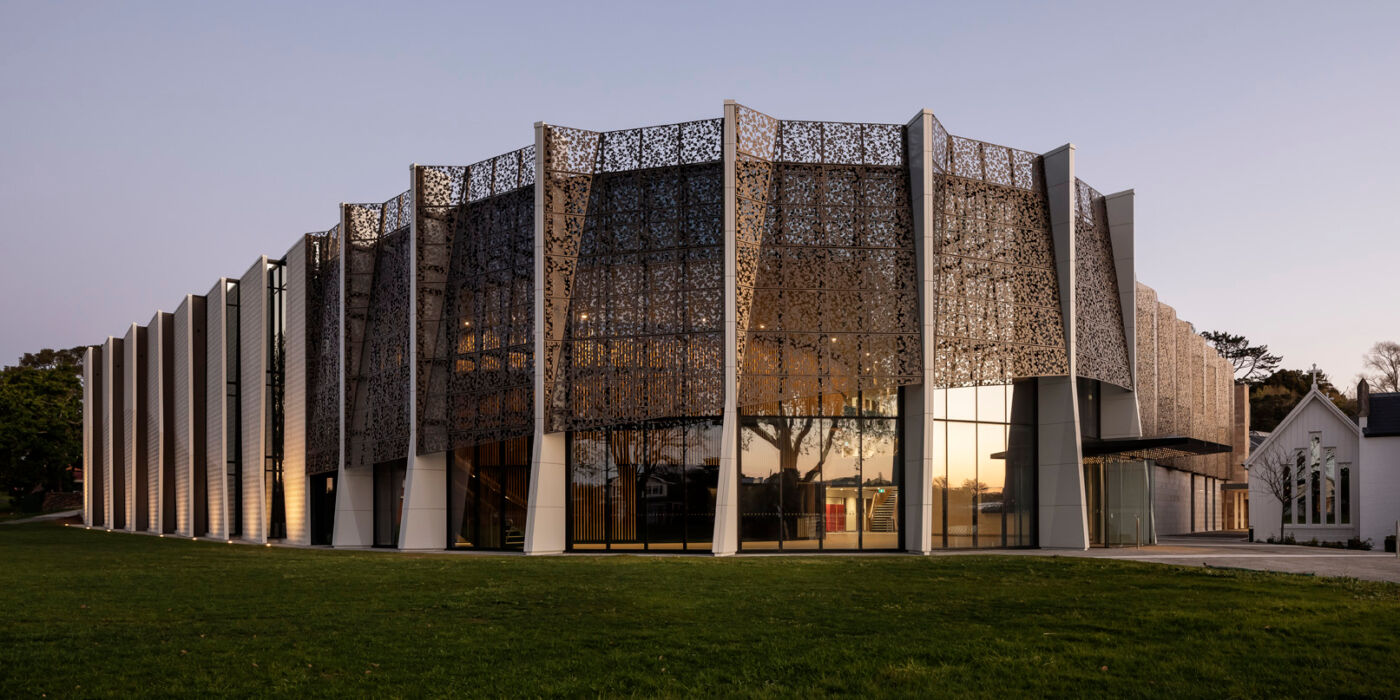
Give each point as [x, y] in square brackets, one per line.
[726, 536]
[1120, 414]
[545, 513]
[294, 482]
[1063, 519]
[189, 378]
[917, 489]
[133, 428]
[113, 455]
[160, 437]
[92, 431]
[424, 523]
[253, 398]
[354, 488]
[215, 405]
[181, 376]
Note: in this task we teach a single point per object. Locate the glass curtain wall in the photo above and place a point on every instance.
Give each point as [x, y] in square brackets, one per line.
[274, 421]
[322, 507]
[388, 501]
[233, 410]
[1119, 498]
[488, 490]
[821, 473]
[984, 455]
[644, 486]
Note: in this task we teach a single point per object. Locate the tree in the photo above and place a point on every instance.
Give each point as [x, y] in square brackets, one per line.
[41, 422]
[72, 359]
[1270, 400]
[1275, 472]
[1381, 366]
[1252, 362]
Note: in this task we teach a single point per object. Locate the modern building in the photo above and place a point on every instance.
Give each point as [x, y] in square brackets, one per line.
[733, 334]
[1341, 478]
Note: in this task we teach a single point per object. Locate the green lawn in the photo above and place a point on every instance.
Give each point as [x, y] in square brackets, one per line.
[96, 613]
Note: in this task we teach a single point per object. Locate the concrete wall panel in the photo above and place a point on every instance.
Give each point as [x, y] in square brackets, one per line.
[253, 394]
[216, 428]
[294, 406]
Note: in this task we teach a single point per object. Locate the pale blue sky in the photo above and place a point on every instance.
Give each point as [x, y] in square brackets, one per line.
[148, 148]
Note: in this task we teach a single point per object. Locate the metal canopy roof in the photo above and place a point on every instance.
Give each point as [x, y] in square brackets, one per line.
[1154, 448]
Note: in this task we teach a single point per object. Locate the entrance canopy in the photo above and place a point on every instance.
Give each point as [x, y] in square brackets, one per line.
[1154, 448]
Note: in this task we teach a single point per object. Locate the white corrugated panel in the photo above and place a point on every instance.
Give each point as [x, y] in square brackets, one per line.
[215, 461]
[252, 334]
[184, 419]
[294, 410]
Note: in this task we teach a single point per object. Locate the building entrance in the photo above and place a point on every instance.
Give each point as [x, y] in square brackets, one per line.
[488, 492]
[322, 507]
[388, 501]
[1118, 498]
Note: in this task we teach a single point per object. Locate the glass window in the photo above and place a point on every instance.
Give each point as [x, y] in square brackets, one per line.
[1089, 408]
[1288, 490]
[388, 502]
[1344, 484]
[940, 483]
[821, 481]
[1330, 484]
[962, 477]
[1315, 471]
[760, 505]
[880, 487]
[991, 404]
[983, 489]
[488, 492]
[645, 486]
[1300, 490]
[962, 403]
[991, 478]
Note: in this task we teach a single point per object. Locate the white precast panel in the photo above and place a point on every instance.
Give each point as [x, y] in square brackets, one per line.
[294, 397]
[252, 393]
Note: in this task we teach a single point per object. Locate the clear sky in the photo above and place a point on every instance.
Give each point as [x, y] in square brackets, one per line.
[147, 149]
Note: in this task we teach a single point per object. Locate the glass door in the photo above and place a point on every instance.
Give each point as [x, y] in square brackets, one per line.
[388, 501]
[1093, 500]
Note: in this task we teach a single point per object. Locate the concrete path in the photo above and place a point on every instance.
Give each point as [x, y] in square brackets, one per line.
[46, 516]
[1230, 552]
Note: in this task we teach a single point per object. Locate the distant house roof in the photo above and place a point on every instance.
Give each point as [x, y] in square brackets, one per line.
[1257, 438]
[1385, 415]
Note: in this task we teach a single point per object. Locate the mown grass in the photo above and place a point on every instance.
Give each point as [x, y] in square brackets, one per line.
[90, 613]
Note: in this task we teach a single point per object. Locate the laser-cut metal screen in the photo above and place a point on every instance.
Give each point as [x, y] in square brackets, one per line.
[998, 300]
[827, 297]
[323, 351]
[476, 301]
[634, 274]
[1100, 344]
[1184, 387]
[377, 330]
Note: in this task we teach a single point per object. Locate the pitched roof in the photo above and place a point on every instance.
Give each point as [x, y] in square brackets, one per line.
[1385, 415]
[1313, 395]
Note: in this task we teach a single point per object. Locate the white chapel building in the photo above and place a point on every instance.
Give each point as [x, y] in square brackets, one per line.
[1344, 475]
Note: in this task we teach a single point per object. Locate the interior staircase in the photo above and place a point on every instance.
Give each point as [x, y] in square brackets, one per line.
[885, 517]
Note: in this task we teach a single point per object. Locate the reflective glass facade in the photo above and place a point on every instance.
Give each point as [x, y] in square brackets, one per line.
[735, 333]
[984, 457]
[821, 474]
[488, 493]
[647, 486]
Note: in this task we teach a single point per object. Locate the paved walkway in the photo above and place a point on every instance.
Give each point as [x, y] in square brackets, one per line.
[1220, 550]
[1237, 553]
[47, 516]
